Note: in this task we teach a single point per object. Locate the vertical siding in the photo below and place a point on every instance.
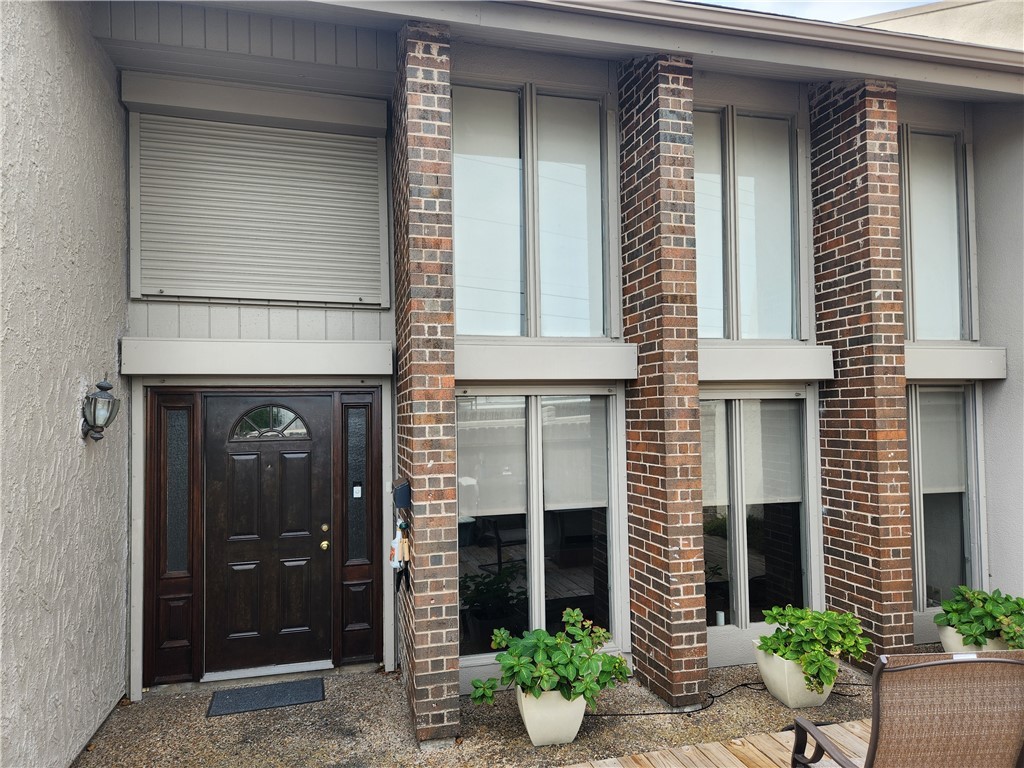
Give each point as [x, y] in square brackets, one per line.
[216, 29]
[170, 320]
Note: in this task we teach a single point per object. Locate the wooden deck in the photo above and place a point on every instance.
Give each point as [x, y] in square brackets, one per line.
[762, 750]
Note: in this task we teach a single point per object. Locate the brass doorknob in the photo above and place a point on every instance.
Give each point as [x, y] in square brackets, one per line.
[324, 546]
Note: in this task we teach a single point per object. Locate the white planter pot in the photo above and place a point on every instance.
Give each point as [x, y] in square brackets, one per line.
[953, 642]
[784, 680]
[550, 719]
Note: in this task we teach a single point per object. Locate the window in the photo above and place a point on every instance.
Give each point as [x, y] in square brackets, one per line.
[529, 227]
[943, 499]
[755, 518]
[934, 241]
[533, 513]
[747, 272]
[269, 421]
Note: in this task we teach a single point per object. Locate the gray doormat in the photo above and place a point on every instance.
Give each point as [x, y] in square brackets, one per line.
[257, 697]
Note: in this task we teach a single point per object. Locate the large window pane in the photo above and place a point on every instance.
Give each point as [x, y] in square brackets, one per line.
[488, 220]
[773, 494]
[570, 221]
[707, 139]
[715, 472]
[493, 554]
[934, 237]
[943, 453]
[764, 200]
[574, 436]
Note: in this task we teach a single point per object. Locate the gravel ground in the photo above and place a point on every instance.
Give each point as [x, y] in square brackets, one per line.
[364, 722]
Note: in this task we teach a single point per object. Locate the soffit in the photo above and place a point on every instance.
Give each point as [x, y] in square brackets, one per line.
[722, 40]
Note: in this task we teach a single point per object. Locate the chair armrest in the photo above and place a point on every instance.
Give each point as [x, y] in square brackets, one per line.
[823, 746]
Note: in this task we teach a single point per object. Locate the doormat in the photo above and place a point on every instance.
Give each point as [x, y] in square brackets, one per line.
[257, 697]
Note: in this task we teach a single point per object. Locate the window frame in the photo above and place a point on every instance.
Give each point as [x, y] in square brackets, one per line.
[618, 593]
[528, 92]
[967, 259]
[730, 644]
[975, 530]
[729, 113]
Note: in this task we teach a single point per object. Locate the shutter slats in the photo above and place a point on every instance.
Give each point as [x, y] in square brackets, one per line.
[254, 212]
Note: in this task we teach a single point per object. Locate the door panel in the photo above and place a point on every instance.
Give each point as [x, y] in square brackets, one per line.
[360, 594]
[268, 491]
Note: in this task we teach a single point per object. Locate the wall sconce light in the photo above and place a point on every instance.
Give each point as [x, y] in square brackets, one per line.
[99, 410]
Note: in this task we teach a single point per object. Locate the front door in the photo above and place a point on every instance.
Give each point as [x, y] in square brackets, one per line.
[263, 530]
[269, 516]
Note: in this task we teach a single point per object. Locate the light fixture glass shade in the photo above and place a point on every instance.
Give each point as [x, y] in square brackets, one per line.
[99, 410]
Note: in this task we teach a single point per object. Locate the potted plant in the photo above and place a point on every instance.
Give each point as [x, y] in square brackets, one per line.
[555, 676]
[798, 660]
[974, 620]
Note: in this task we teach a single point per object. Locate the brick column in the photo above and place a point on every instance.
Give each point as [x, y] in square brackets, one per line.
[425, 376]
[858, 271]
[666, 559]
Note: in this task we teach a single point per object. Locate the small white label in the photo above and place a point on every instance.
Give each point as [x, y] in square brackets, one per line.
[357, 491]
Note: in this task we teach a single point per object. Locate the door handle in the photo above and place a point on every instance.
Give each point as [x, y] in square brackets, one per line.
[324, 546]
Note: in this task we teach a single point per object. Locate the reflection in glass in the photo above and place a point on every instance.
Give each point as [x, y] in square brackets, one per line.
[934, 237]
[715, 473]
[493, 557]
[764, 228]
[707, 140]
[944, 491]
[574, 445]
[488, 220]
[570, 223]
[773, 491]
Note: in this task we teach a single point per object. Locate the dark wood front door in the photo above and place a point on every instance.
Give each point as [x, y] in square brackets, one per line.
[269, 517]
[263, 530]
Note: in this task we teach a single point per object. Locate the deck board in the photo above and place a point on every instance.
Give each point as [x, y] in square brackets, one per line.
[761, 750]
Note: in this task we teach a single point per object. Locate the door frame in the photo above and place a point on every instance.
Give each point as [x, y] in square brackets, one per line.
[142, 602]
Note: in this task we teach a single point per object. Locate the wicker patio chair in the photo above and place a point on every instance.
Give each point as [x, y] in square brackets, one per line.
[936, 710]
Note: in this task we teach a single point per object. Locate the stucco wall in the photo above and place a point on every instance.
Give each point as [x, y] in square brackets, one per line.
[998, 160]
[999, 23]
[63, 501]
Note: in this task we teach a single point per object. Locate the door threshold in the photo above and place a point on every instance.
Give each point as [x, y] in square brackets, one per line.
[273, 669]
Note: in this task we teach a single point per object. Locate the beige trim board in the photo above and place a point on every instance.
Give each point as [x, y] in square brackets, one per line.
[543, 361]
[764, 362]
[262, 105]
[954, 362]
[243, 357]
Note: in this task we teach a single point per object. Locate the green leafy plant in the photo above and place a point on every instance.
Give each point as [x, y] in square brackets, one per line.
[814, 639]
[978, 616]
[569, 662]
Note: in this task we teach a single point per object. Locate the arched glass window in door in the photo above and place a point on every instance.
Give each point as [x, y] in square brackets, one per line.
[270, 421]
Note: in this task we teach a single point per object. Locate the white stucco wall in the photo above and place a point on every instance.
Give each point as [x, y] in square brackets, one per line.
[999, 198]
[63, 501]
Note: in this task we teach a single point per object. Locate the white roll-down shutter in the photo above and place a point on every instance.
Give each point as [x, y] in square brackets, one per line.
[254, 212]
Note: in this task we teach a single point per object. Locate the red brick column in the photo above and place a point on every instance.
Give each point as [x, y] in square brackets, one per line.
[858, 272]
[425, 376]
[663, 473]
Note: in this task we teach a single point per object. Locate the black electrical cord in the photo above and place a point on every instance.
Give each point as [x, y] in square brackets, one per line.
[713, 697]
